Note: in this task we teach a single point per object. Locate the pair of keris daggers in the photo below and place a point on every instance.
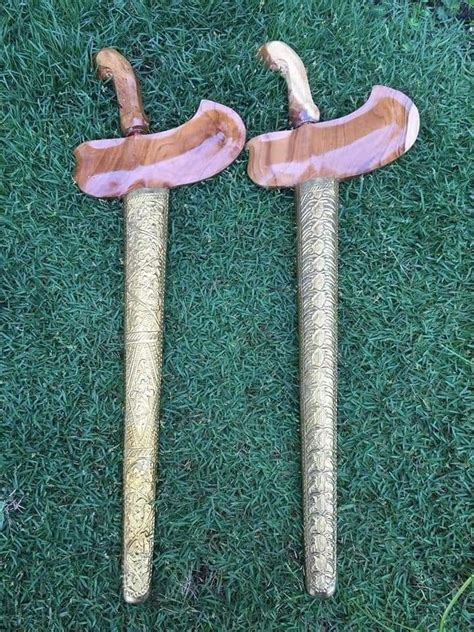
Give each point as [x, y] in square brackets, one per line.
[313, 157]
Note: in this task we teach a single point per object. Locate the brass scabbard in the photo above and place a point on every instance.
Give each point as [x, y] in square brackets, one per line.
[146, 227]
[316, 204]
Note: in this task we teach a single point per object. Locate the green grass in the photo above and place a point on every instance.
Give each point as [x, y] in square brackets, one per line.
[228, 552]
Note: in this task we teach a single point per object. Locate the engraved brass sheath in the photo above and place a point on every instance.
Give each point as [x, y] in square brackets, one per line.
[316, 204]
[146, 219]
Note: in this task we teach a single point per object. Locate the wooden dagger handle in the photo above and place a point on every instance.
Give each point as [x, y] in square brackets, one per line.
[146, 227]
[112, 65]
[282, 58]
[316, 205]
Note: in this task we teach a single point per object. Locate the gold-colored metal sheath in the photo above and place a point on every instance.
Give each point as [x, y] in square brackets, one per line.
[146, 227]
[316, 208]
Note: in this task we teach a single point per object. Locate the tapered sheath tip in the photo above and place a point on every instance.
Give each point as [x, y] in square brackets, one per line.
[134, 600]
[322, 594]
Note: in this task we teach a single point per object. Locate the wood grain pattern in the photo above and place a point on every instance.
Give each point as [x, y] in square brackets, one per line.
[205, 145]
[280, 57]
[384, 128]
[112, 65]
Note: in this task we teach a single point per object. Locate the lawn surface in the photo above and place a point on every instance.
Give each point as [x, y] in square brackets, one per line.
[228, 552]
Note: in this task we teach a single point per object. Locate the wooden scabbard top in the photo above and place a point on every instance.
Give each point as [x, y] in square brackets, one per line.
[208, 143]
[384, 128]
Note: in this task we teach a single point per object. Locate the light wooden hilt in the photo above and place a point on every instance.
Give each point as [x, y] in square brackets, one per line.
[208, 143]
[279, 57]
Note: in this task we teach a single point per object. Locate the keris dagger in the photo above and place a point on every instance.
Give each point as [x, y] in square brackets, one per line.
[141, 168]
[313, 158]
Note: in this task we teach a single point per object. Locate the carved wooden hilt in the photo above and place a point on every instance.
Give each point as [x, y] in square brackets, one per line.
[383, 129]
[205, 145]
[111, 65]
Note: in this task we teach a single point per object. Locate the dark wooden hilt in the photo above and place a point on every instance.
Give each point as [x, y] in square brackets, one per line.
[111, 65]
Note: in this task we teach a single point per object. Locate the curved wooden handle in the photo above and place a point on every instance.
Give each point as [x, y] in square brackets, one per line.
[279, 56]
[112, 65]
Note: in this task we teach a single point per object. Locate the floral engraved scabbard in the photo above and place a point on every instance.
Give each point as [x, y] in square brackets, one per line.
[316, 203]
[146, 215]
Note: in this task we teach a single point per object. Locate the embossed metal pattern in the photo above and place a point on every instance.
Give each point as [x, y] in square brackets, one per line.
[316, 203]
[146, 219]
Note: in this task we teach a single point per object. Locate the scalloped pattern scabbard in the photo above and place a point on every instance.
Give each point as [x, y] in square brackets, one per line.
[146, 219]
[316, 203]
